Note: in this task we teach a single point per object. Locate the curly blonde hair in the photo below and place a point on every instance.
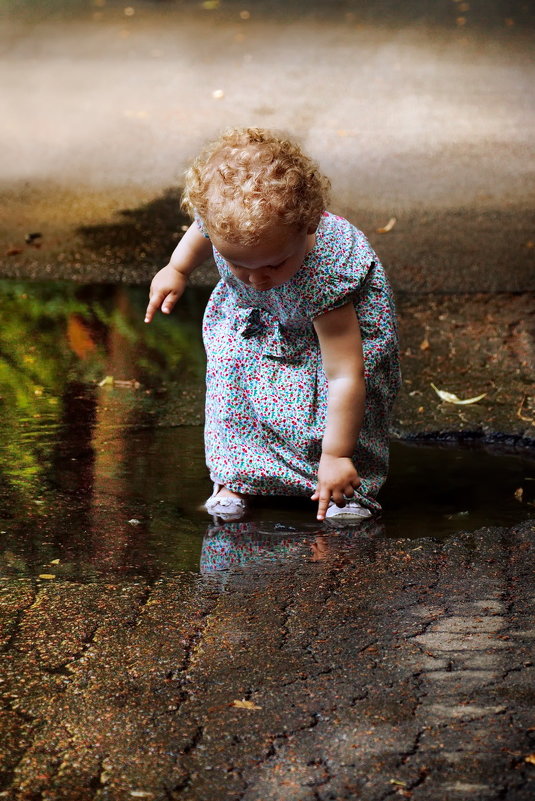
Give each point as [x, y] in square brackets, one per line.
[248, 178]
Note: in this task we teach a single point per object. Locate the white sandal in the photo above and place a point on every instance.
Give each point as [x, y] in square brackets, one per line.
[352, 512]
[226, 508]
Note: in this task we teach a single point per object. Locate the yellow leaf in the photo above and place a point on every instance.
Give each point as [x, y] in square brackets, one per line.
[388, 227]
[47, 576]
[106, 382]
[530, 758]
[245, 705]
[449, 397]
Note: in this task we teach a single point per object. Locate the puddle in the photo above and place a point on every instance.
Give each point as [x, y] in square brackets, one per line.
[93, 474]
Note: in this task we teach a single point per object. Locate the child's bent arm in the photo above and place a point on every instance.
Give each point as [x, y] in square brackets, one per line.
[169, 283]
[343, 361]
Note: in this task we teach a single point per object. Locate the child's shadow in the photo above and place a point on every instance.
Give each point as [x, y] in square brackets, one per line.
[230, 545]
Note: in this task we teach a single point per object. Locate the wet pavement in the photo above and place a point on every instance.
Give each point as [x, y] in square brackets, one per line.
[146, 651]
[332, 667]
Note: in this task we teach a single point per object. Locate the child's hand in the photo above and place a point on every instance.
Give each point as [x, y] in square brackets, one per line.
[336, 477]
[166, 288]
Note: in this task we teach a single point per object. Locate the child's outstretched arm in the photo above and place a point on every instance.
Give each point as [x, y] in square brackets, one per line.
[169, 283]
[341, 352]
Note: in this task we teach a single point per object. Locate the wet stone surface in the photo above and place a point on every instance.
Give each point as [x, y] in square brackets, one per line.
[147, 652]
[342, 666]
[144, 652]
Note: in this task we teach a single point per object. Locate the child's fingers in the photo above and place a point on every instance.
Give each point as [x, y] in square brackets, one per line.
[163, 299]
[324, 500]
[338, 497]
[154, 304]
[169, 303]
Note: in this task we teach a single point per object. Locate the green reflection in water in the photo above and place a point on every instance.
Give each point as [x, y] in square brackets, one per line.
[108, 480]
[58, 343]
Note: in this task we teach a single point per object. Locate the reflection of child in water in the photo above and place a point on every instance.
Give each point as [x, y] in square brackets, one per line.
[235, 544]
[299, 333]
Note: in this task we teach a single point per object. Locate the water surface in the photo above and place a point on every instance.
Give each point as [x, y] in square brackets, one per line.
[101, 452]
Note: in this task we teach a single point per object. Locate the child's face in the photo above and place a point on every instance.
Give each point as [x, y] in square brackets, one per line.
[271, 262]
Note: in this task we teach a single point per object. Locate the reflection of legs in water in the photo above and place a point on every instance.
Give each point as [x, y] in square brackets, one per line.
[238, 543]
[232, 544]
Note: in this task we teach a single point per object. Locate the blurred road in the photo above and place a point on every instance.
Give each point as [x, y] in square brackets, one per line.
[424, 113]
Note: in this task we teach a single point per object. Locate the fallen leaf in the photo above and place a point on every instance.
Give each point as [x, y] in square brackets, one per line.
[388, 227]
[79, 336]
[131, 382]
[424, 344]
[55, 562]
[245, 704]
[519, 412]
[530, 758]
[449, 397]
[519, 494]
[134, 522]
[47, 576]
[110, 381]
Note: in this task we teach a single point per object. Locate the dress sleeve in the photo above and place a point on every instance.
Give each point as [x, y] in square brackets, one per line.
[201, 226]
[337, 270]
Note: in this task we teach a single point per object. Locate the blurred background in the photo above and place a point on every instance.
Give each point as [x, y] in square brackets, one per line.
[420, 111]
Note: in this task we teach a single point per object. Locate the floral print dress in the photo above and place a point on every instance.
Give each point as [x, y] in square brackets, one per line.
[266, 390]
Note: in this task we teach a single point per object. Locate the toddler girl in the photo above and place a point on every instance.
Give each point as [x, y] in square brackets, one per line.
[300, 332]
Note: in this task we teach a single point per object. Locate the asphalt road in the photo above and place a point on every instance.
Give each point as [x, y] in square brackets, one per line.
[423, 112]
[352, 666]
[347, 667]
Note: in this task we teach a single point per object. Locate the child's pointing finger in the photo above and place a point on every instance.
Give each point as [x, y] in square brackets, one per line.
[154, 304]
[163, 299]
[324, 498]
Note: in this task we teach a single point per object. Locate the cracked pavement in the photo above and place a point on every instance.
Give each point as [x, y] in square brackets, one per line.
[389, 668]
[349, 666]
